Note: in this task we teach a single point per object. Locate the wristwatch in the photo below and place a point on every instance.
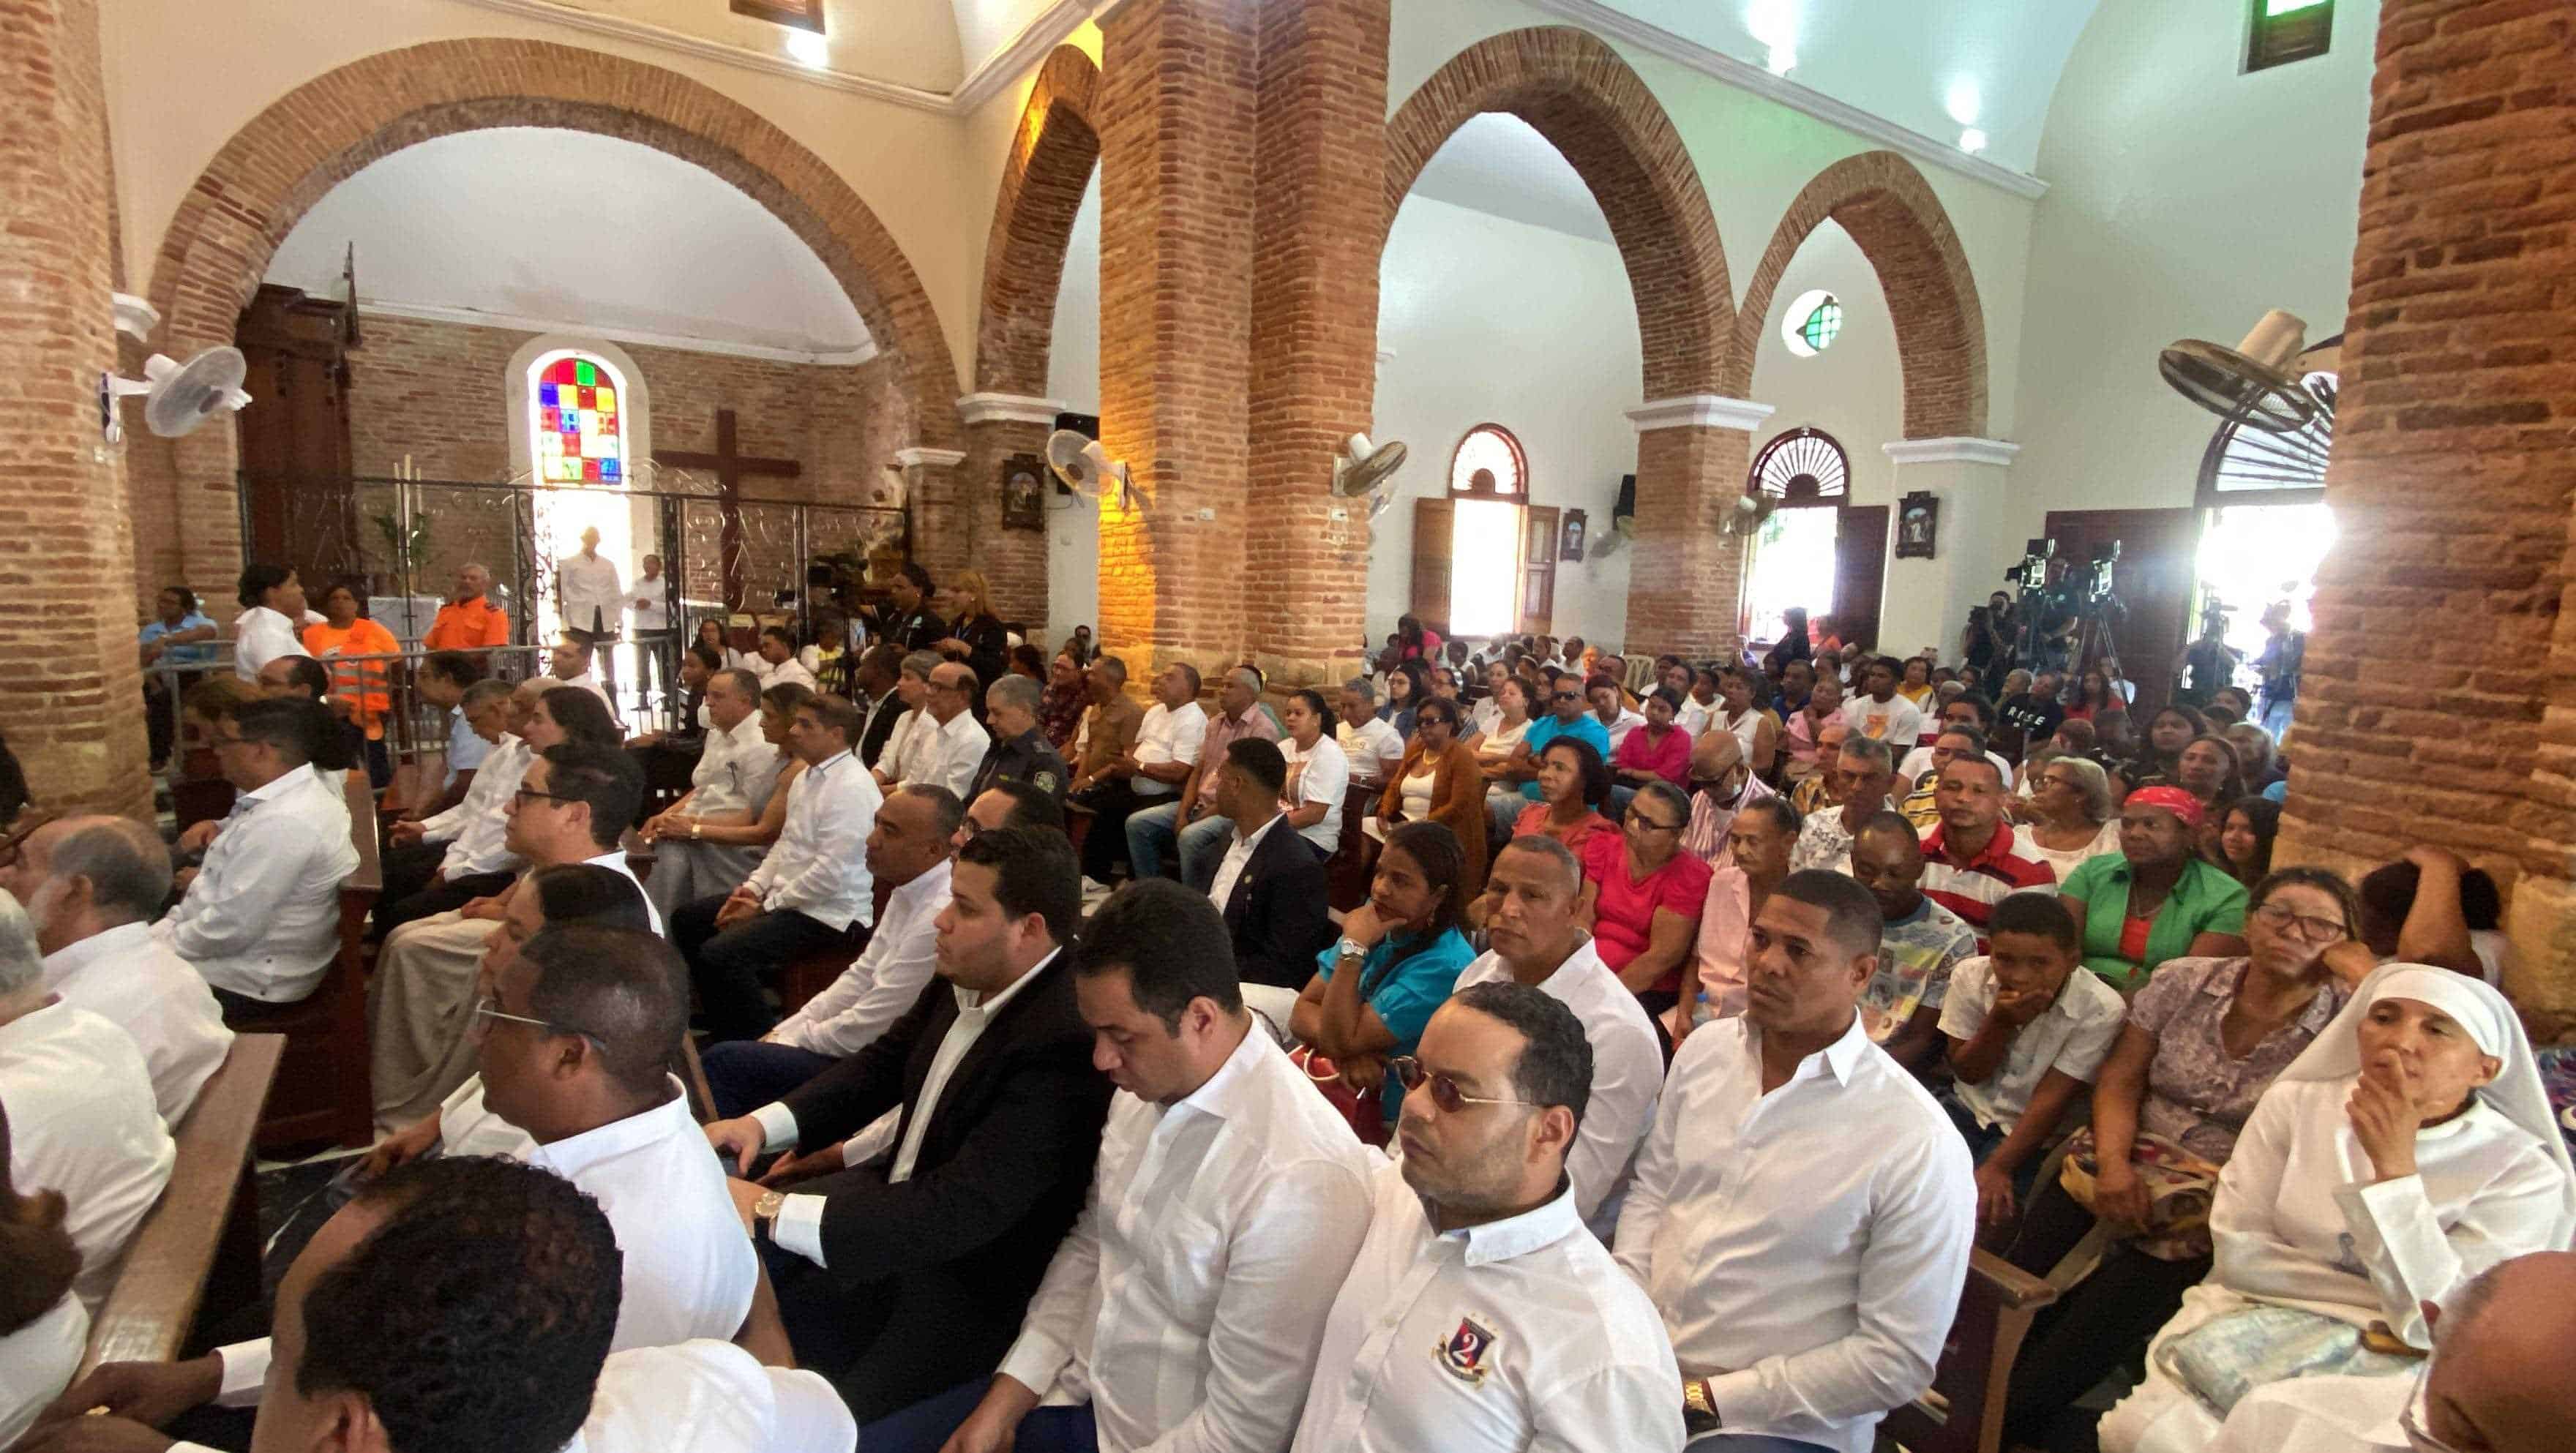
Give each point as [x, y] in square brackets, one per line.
[1699, 1410]
[1350, 948]
[764, 1214]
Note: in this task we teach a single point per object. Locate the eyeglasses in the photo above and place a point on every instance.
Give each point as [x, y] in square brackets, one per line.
[2307, 926]
[487, 1009]
[1410, 1073]
[1567, 696]
[1643, 823]
[523, 794]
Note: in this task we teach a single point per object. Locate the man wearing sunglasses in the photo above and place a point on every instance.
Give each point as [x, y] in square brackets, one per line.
[1480, 1314]
[1567, 716]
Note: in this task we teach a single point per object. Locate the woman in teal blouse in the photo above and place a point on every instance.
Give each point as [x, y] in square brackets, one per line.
[1408, 954]
[2156, 899]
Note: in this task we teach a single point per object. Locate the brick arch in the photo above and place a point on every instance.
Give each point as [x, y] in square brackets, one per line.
[1889, 210]
[286, 158]
[1576, 91]
[1050, 166]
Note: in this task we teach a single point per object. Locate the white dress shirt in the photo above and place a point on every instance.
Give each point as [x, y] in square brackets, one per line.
[1238, 853]
[475, 829]
[799, 1225]
[790, 672]
[1166, 735]
[2074, 1033]
[1483, 717]
[614, 860]
[591, 598]
[1696, 716]
[1320, 773]
[37, 1362]
[589, 681]
[1188, 1300]
[818, 866]
[1373, 750]
[82, 1122]
[1627, 1076]
[884, 982]
[944, 754]
[650, 603]
[263, 917]
[736, 772]
[1619, 726]
[128, 977]
[1809, 1272]
[261, 635]
[1517, 1334]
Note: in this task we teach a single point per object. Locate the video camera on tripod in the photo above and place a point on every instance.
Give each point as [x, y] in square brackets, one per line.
[2090, 581]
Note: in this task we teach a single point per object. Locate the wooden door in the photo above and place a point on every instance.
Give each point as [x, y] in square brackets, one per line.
[1431, 530]
[1860, 572]
[2153, 580]
[1538, 570]
[294, 437]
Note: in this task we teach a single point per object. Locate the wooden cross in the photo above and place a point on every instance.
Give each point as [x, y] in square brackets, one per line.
[730, 469]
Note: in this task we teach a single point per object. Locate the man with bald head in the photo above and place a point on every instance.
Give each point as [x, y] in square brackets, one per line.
[1191, 821]
[1722, 785]
[946, 744]
[92, 886]
[469, 619]
[2497, 1380]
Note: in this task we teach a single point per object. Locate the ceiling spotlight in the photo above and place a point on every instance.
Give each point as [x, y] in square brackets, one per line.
[1972, 141]
[1781, 61]
[1963, 101]
[807, 48]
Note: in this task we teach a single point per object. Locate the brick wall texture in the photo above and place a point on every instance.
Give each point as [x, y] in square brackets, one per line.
[70, 692]
[2437, 703]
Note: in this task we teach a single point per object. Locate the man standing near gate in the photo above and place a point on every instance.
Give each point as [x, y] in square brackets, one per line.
[650, 604]
[588, 593]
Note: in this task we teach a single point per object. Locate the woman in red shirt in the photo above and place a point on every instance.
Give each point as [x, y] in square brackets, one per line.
[1572, 785]
[1642, 895]
[1659, 751]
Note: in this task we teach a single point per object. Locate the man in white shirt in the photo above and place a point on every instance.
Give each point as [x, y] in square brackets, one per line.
[448, 859]
[946, 744]
[575, 662]
[272, 619]
[806, 893]
[92, 886]
[1878, 713]
[778, 661]
[1479, 1314]
[587, 592]
[1806, 1273]
[911, 693]
[908, 851]
[82, 1118]
[261, 919]
[1188, 821]
[1184, 1310]
[1372, 747]
[730, 786]
[1168, 743]
[1270, 885]
[648, 625]
[571, 806]
[481, 1273]
[1530, 899]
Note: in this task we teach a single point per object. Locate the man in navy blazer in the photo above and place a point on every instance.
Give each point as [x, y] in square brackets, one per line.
[1271, 885]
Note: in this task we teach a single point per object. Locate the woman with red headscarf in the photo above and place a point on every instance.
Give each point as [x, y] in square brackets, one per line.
[2157, 898]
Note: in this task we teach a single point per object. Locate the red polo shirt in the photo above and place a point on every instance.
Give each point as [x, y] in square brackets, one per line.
[1972, 889]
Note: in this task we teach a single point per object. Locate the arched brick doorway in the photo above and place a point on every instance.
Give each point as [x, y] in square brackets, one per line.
[1889, 210]
[1049, 167]
[1573, 89]
[285, 159]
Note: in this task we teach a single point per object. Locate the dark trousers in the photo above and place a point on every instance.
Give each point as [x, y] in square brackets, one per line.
[926, 1425]
[728, 967]
[427, 898]
[886, 1345]
[745, 1074]
[2101, 1323]
[1104, 848]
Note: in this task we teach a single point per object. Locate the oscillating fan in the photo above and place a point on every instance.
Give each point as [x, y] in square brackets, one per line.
[177, 397]
[2275, 403]
[1365, 469]
[1748, 514]
[1085, 467]
[1623, 528]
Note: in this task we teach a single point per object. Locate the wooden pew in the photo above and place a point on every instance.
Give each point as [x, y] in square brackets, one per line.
[323, 1096]
[1348, 870]
[198, 1249]
[1964, 1410]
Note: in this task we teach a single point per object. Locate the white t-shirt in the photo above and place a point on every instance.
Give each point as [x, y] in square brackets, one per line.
[2075, 1034]
[1895, 721]
[1168, 736]
[1320, 773]
[261, 635]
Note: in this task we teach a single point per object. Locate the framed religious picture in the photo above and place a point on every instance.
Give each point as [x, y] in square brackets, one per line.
[1918, 525]
[1024, 492]
[1569, 540]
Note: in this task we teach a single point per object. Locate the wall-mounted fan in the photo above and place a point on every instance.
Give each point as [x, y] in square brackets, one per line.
[1623, 528]
[177, 397]
[1086, 468]
[2275, 399]
[1365, 470]
[1746, 518]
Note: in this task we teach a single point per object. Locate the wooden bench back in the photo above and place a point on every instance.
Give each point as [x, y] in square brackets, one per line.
[207, 1220]
[1964, 1410]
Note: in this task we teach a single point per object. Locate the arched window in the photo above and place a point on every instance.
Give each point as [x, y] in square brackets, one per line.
[585, 428]
[580, 437]
[1497, 573]
[1802, 467]
[1801, 478]
[1489, 465]
[1814, 321]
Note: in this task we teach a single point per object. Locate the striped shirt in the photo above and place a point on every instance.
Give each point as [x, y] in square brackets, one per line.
[1973, 888]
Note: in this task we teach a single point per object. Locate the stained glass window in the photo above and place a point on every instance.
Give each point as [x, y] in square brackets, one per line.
[1814, 321]
[580, 436]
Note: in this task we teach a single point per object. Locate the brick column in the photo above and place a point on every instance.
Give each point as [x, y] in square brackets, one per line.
[1178, 110]
[931, 491]
[1968, 477]
[1686, 579]
[1014, 562]
[70, 697]
[2449, 484]
[1320, 188]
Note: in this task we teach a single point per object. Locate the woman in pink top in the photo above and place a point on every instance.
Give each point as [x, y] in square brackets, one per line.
[1659, 751]
[1642, 896]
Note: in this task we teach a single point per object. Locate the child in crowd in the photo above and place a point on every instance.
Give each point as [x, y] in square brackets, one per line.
[2027, 1034]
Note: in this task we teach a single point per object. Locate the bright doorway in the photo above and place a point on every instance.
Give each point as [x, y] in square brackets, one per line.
[2253, 555]
[1484, 601]
[1793, 565]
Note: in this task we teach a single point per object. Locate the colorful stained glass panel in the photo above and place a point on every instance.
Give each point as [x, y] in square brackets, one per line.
[580, 433]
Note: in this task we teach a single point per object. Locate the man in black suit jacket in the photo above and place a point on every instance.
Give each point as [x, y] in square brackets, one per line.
[906, 1276]
[1271, 884]
[879, 672]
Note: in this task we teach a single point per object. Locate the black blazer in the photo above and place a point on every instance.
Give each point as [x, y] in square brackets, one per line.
[880, 725]
[1277, 912]
[935, 1274]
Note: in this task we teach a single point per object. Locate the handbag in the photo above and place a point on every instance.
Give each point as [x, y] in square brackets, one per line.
[2180, 1188]
[1364, 1113]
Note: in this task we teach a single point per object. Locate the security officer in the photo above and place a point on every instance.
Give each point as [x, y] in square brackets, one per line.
[1020, 752]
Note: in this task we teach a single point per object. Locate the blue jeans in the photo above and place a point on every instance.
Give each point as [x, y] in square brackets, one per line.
[1153, 831]
[1982, 1140]
[745, 1074]
[924, 1426]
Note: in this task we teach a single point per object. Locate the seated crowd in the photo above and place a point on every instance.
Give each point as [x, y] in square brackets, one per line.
[1681, 1035]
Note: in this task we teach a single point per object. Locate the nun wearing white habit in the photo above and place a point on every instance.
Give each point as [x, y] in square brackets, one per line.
[2409, 1149]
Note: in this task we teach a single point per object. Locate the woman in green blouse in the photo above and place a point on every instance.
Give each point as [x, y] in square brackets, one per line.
[2156, 899]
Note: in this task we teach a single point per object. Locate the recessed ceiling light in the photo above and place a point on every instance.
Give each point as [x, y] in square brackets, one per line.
[1963, 101]
[1972, 141]
[807, 48]
[1782, 60]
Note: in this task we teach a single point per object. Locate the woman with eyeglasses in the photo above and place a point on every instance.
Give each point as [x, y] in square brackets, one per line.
[1399, 955]
[2203, 1040]
[1439, 781]
[2071, 821]
[1642, 896]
